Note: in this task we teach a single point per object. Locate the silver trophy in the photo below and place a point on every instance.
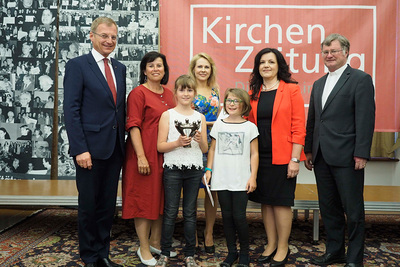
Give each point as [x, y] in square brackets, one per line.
[187, 128]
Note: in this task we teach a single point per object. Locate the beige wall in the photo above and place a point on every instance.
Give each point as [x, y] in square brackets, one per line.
[377, 173]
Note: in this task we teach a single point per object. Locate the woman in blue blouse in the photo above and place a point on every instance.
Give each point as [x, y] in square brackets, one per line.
[202, 69]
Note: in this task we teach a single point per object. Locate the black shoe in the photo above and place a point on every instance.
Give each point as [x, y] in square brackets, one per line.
[106, 262]
[354, 265]
[230, 260]
[244, 260]
[328, 258]
[198, 250]
[91, 264]
[209, 249]
[275, 263]
[266, 259]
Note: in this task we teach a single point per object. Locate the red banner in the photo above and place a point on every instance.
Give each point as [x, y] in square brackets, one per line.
[232, 32]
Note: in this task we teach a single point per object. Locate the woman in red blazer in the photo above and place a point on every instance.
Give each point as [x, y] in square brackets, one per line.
[278, 112]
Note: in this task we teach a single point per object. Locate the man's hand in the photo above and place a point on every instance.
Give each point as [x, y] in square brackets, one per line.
[308, 162]
[360, 163]
[84, 160]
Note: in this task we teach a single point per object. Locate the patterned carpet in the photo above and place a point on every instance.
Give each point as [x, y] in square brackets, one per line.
[49, 238]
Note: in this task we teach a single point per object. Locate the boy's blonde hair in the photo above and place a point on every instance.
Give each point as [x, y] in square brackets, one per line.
[243, 96]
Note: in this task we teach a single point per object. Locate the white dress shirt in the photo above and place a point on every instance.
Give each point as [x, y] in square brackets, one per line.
[330, 83]
[99, 60]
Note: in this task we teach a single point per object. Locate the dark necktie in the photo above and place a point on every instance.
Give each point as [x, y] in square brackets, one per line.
[110, 79]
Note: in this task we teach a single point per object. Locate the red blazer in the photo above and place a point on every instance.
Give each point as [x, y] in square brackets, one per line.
[288, 121]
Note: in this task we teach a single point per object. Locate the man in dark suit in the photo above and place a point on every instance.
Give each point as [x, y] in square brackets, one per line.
[28, 83]
[340, 126]
[48, 134]
[94, 110]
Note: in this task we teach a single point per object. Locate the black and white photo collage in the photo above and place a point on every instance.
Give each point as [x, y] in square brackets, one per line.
[27, 72]
[138, 33]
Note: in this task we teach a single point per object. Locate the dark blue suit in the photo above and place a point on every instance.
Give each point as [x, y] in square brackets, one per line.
[95, 124]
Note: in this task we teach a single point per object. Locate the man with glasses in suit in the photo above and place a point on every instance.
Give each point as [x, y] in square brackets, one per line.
[94, 110]
[340, 126]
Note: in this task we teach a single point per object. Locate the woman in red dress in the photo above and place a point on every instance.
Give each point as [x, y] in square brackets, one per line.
[142, 189]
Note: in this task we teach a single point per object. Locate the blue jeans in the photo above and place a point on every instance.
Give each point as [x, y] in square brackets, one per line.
[174, 180]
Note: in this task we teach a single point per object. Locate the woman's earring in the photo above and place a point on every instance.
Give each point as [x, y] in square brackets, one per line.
[145, 78]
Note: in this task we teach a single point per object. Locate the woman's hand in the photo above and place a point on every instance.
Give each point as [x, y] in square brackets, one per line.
[143, 166]
[293, 169]
[251, 185]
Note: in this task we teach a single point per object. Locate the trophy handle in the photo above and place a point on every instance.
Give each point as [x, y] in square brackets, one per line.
[195, 127]
[178, 126]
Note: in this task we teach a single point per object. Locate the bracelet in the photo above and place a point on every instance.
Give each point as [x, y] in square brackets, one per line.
[208, 169]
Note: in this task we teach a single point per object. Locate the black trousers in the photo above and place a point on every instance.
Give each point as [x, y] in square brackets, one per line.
[96, 205]
[233, 208]
[340, 193]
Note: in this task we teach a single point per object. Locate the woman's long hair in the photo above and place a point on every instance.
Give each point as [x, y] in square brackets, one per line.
[212, 80]
[283, 71]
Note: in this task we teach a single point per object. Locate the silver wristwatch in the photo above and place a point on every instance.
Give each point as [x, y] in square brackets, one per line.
[295, 160]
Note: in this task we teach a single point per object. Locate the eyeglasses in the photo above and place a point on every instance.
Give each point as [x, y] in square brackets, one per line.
[233, 101]
[106, 36]
[332, 52]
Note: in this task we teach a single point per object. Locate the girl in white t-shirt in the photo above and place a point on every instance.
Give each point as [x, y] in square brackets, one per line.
[183, 166]
[232, 164]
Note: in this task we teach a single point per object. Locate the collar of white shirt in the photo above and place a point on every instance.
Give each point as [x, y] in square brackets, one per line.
[99, 57]
[339, 71]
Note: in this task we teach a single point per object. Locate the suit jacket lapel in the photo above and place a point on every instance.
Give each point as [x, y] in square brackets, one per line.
[118, 77]
[96, 70]
[254, 106]
[277, 101]
[318, 93]
[338, 86]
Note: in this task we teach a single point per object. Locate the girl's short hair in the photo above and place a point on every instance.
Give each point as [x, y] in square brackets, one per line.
[243, 96]
[185, 81]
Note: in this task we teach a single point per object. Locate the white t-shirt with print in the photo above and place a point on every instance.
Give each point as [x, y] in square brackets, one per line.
[231, 166]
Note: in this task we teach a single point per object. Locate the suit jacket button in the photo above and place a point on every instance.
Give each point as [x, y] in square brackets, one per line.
[114, 127]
